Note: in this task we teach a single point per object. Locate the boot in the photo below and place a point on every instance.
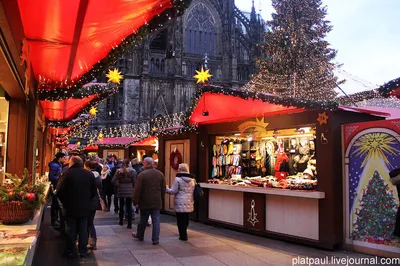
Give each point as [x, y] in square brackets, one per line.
[92, 243]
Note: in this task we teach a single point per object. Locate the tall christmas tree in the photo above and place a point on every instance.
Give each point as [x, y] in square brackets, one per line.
[297, 61]
[376, 214]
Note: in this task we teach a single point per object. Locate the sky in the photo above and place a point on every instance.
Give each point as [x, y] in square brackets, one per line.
[366, 34]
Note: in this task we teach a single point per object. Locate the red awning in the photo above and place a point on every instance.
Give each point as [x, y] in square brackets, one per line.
[150, 141]
[225, 108]
[218, 108]
[67, 37]
[91, 148]
[65, 109]
[116, 141]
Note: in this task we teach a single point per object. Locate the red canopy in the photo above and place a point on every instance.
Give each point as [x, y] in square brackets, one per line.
[67, 37]
[217, 108]
[150, 141]
[224, 108]
[65, 109]
[116, 141]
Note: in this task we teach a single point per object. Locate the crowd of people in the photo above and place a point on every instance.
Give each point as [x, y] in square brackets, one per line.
[81, 186]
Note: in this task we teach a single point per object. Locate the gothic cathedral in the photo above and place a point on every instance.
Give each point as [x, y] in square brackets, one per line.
[158, 74]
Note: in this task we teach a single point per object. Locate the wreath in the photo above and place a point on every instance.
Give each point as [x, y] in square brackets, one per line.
[175, 154]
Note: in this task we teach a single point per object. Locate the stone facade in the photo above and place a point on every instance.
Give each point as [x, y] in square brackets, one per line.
[158, 75]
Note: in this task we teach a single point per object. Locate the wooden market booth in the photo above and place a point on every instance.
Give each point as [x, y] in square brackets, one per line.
[249, 120]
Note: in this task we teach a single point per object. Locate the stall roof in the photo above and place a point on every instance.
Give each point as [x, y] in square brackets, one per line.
[149, 141]
[68, 37]
[116, 141]
[217, 105]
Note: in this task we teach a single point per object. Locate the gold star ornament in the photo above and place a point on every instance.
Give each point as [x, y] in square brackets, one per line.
[93, 111]
[114, 76]
[202, 76]
[323, 118]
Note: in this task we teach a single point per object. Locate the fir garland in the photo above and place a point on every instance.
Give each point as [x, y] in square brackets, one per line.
[95, 102]
[78, 93]
[387, 89]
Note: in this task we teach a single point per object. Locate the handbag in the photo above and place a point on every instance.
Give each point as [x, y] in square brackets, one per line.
[101, 205]
[198, 192]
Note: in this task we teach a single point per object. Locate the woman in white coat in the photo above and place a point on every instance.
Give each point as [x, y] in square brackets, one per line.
[183, 189]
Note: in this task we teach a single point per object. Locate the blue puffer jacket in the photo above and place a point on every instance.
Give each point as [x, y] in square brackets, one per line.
[55, 170]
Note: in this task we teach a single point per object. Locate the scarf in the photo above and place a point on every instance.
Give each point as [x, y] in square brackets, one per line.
[105, 172]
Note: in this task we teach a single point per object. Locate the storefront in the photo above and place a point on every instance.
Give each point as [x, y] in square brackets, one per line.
[3, 131]
[269, 166]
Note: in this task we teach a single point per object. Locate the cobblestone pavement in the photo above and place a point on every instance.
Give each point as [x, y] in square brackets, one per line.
[207, 246]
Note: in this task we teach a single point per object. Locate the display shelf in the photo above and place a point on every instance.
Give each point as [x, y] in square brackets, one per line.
[268, 191]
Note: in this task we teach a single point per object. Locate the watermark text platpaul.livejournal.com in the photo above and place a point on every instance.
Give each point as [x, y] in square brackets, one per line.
[329, 260]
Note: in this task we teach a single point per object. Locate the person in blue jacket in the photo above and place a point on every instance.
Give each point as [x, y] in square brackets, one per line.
[55, 169]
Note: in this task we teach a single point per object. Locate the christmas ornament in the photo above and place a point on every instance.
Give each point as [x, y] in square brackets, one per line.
[175, 155]
[202, 76]
[114, 76]
[93, 111]
[323, 118]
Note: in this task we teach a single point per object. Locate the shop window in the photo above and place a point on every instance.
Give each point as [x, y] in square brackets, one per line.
[4, 105]
[280, 158]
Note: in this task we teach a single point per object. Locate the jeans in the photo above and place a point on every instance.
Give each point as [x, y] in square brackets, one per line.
[90, 225]
[144, 217]
[133, 211]
[54, 209]
[182, 220]
[76, 226]
[127, 202]
[116, 208]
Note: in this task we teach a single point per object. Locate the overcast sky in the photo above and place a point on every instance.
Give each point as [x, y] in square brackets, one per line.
[366, 34]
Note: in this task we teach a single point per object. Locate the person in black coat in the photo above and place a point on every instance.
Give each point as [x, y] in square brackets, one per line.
[76, 193]
[117, 166]
[394, 175]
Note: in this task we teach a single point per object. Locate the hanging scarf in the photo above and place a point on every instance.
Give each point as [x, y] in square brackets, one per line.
[281, 157]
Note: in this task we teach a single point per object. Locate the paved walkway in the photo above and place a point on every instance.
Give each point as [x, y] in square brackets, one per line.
[207, 246]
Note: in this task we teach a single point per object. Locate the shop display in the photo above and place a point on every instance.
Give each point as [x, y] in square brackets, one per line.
[272, 161]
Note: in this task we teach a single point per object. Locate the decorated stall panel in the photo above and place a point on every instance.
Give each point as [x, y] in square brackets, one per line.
[371, 151]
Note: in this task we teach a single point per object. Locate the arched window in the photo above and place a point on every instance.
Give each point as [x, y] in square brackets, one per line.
[201, 31]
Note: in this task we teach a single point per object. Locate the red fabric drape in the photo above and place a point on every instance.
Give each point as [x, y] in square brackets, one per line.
[52, 29]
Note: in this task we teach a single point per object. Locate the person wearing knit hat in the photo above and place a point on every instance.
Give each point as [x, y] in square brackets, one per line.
[395, 179]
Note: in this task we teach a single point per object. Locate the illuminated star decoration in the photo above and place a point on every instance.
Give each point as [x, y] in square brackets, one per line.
[114, 76]
[93, 111]
[202, 76]
[323, 118]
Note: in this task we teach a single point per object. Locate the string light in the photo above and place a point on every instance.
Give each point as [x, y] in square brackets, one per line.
[297, 59]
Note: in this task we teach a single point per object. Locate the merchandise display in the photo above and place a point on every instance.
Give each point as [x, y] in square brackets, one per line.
[279, 159]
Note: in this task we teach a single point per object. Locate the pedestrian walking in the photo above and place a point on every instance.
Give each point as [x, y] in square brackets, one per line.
[95, 203]
[76, 193]
[117, 166]
[148, 196]
[124, 181]
[55, 169]
[183, 189]
[106, 187]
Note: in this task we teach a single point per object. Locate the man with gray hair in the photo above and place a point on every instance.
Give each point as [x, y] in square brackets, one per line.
[148, 196]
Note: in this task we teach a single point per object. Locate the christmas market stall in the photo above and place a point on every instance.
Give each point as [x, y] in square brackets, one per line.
[147, 146]
[117, 147]
[269, 165]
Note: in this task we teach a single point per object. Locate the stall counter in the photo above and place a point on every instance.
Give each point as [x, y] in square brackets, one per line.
[270, 210]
